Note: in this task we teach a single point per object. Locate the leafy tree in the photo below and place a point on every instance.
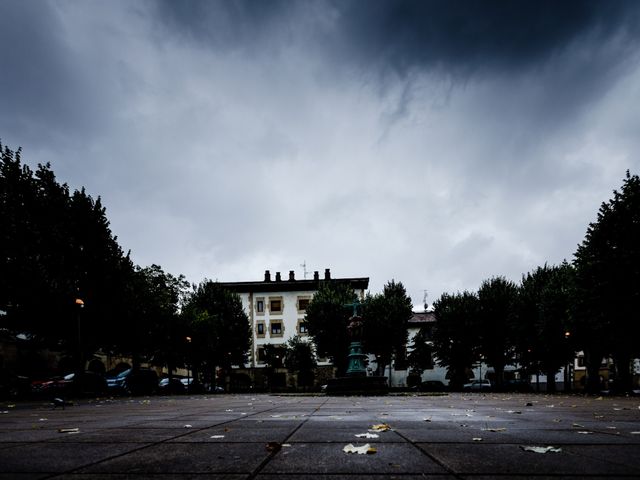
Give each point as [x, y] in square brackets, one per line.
[385, 323]
[542, 326]
[162, 297]
[420, 356]
[55, 247]
[221, 334]
[327, 319]
[455, 336]
[300, 358]
[607, 293]
[497, 302]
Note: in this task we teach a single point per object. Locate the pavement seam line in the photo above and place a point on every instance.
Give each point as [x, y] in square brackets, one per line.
[431, 457]
[191, 431]
[271, 455]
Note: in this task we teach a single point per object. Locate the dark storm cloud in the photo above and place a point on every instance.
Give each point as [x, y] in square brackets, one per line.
[400, 36]
[466, 36]
[37, 83]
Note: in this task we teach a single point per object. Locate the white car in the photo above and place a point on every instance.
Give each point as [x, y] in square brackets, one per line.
[477, 386]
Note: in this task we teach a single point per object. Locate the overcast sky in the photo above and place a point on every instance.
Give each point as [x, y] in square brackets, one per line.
[437, 143]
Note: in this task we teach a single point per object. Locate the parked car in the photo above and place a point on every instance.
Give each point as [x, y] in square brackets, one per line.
[431, 386]
[172, 386]
[477, 386]
[72, 384]
[134, 382]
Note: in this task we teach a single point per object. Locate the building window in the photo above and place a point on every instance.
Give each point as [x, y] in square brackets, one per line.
[276, 329]
[302, 327]
[303, 303]
[260, 306]
[260, 330]
[275, 305]
[261, 356]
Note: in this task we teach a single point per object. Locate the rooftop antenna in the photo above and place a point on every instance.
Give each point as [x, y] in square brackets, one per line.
[304, 269]
[424, 300]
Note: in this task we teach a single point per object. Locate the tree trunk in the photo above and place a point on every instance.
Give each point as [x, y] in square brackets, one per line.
[592, 360]
[624, 379]
[499, 380]
[551, 380]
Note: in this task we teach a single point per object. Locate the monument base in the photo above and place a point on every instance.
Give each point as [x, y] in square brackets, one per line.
[357, 386]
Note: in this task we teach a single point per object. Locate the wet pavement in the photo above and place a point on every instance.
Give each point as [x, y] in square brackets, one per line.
[463, 436]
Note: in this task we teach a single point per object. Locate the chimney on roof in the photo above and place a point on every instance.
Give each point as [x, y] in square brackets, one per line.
[278, 278]
[327, 274]
[316, 276]
[267, 276]
[292, 276]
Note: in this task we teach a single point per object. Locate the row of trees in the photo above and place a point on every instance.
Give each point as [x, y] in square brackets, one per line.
[590, 304]
[67, 285]
[385, 317]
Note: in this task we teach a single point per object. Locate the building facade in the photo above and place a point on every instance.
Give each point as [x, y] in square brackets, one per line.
[276, 308]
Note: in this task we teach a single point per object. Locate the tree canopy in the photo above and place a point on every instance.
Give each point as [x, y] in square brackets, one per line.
[220, 329]
[608, 284]
[385, 318]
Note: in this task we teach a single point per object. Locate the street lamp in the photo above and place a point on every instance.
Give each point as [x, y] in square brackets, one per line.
[80, 305]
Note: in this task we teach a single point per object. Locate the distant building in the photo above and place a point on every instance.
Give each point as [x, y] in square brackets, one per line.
[276, 309]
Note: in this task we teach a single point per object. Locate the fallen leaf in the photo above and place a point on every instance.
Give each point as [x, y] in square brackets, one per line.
[381, 427]
[577, 425]
[216, 436]
[585, 432]
[273, 446]
[188, 426]
[476, 439]
[363, 450]
[528, 404]
[367, 435]
[514, 411]
[634, 433]
[427, 419]
[68, 430]
[500, 429]
[540, 449]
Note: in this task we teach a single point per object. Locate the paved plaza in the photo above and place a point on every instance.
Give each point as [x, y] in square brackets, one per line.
[472, 436]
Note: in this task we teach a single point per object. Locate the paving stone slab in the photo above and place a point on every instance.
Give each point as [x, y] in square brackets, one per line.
[52, 457]
[23, 476]
[122, 435]
[151, 476]
[391, 458]
[371, 476]
[237, 433]
[187, 458]
[310, 432]
[627, 455]
[459, 435]
[511, 459]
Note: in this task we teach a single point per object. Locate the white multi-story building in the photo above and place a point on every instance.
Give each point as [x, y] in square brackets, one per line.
[276, 307]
